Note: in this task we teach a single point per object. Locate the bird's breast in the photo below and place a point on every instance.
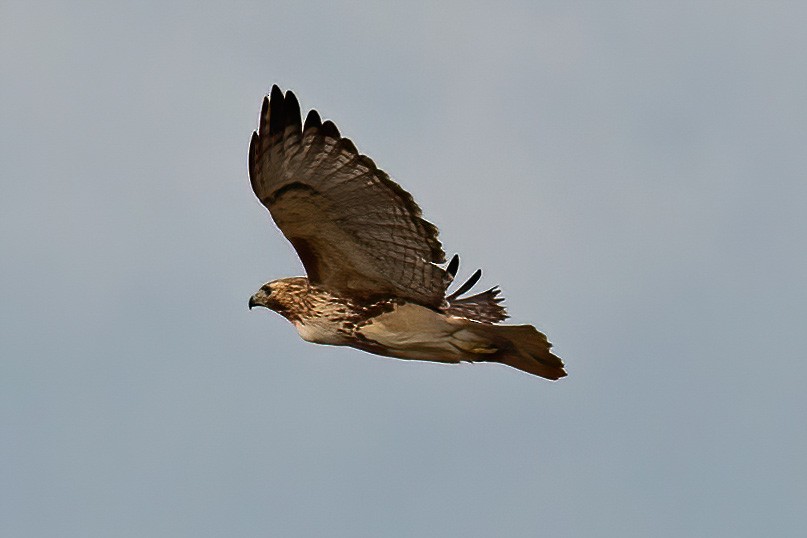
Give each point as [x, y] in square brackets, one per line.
[320, 332]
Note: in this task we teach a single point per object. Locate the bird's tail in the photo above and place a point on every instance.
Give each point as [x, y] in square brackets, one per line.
[519, 346]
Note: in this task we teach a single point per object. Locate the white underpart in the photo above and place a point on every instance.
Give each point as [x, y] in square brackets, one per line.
[412, 331]
[320, 331]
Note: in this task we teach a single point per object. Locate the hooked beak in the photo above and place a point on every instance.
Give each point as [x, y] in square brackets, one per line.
[252, 302]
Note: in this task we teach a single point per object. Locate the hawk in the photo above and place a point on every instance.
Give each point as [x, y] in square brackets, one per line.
[376, 273]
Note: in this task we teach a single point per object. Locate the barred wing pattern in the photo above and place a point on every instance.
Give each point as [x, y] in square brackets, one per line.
[356, 231]
[483, 307]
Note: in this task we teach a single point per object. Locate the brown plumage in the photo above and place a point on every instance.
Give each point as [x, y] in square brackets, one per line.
[374, 279]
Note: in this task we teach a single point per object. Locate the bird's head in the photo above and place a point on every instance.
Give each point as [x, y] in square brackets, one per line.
[282, 296]
[262, 297]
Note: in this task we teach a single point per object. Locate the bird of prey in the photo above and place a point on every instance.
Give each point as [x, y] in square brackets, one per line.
[376, 273]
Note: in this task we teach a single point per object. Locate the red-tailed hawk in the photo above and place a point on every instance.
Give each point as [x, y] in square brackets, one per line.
[374, 276]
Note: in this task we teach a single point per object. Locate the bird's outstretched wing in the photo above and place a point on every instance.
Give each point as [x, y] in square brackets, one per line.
[355, 230]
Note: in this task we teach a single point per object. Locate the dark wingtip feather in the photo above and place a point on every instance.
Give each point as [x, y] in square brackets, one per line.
[329, 129]
[348, 146]
[470, 283]
[453, 265]
[291, 111]
[253, 153]
[276, 113]
[312, 120]
[263, 124]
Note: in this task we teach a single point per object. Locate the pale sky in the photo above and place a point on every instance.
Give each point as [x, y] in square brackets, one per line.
[633, 175]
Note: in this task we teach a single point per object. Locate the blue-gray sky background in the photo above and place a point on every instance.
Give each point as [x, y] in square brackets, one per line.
[633, 174]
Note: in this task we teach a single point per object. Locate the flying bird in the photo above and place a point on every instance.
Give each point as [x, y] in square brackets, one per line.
[377, 277]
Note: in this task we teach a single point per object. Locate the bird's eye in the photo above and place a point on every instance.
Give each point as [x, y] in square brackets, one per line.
[266, 290]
